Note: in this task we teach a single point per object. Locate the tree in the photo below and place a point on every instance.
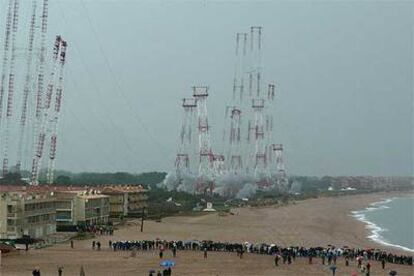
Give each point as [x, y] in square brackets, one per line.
[12, 179]
[63, 180]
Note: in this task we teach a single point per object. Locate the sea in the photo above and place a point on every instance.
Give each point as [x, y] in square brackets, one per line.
[391, 222]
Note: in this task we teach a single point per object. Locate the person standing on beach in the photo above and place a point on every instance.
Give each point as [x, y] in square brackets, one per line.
[368, 268]
[93, 245]
[359, 259]
[383, 263]
[333, 268]
[60, 270]
[346, 261]
[323, 258]
[36, 272]
[277, 260]
[205, 252]
[174, 251]
[284, 257]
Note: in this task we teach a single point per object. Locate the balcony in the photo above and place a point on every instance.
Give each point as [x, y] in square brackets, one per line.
[11, 215]
[40, 212]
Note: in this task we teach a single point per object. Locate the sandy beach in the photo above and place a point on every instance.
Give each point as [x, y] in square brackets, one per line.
[313, 222]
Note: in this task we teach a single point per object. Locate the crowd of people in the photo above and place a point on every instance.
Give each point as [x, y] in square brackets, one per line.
[326, 254]
[282, 255]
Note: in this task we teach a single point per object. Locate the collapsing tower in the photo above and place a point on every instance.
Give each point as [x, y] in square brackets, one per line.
[30, 124]
[184, 154]
[50, 118]
[236, 159]
[12, 22]
[205, 181]
[248, 146]
[281, 175]
[54, 120]
[255, 74]
[239, 68]
[26, 88]
[269, 121]
[261, 174]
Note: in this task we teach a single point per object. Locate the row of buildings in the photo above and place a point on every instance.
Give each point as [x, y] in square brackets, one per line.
[369, 182]
[36, 211]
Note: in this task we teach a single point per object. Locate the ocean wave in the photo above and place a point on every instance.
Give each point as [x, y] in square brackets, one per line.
[375, 229]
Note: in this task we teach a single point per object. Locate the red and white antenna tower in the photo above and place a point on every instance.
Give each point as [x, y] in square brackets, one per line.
[260, 166]
[183, 159]
[254, 78]
[39, 136]
[5, 61]
[27, 87]
[205, 181]
[236, 164]
[218, 164]
[57, 108]
[59, 53]
[10, 95]
[239, 68]
[269, 121]
[256, 56]
[281, 175]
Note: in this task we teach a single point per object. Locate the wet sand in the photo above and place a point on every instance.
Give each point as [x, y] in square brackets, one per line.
[314, 222]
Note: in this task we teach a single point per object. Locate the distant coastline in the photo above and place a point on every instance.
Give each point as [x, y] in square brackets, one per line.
[375, 230]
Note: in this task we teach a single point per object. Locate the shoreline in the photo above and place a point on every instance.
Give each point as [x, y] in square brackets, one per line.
[375, 230]
[311, 223]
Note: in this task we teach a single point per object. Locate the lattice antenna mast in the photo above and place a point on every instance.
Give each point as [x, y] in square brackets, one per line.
[10, 95]
[236, 164]
[238, 79]
[59, 53]
[254, 77]
[260, 167]
[205, 177]
[270, 121]
[39, 137]
[57, 109]
[218, 164]
[281, 174]
[183, 159]
[27, 86]
[42, 61]
[5, 61]
[256, 56]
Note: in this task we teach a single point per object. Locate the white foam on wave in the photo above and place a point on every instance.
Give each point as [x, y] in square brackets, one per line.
[375, 229]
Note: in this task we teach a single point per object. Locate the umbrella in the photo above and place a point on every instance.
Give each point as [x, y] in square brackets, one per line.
[167, 263]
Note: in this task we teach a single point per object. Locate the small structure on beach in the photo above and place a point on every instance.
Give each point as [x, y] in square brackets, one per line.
[209, 208]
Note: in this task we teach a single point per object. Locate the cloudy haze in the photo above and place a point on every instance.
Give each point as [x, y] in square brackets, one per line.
[344, 73]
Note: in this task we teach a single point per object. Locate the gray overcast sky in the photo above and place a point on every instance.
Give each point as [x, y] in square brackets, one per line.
[344, 72]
